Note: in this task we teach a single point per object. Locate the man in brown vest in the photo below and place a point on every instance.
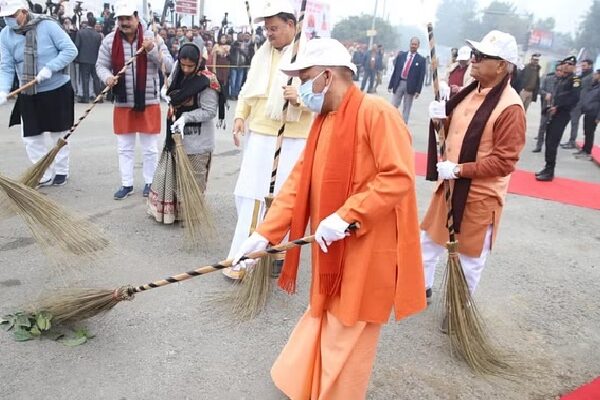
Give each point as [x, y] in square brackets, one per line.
[485, 131]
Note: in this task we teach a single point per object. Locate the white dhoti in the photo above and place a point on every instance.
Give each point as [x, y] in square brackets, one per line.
[255, 175]
[472, 266]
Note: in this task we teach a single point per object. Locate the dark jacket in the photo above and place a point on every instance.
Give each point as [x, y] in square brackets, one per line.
[566, 93]
[590, 101]
[88, 43]
[241, 53]
[529, 72]
[416, 73]
[378, 61]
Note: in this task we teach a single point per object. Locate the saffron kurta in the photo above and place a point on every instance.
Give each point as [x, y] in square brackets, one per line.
[331, 351]
[501, 143]
[382, 260]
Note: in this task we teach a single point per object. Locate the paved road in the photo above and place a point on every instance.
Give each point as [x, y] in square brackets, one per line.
[539, 295]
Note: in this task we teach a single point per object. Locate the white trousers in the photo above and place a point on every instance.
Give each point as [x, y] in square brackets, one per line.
[472, 266]
[37, 147]
[126, 150]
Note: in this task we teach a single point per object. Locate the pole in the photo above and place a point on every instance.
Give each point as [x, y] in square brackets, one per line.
[372, 38]
[201, 8]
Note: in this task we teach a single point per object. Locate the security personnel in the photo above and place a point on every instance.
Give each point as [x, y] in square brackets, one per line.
[547, 93]
[565, 98]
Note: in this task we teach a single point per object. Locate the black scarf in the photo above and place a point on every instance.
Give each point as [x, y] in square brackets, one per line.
[470, 144]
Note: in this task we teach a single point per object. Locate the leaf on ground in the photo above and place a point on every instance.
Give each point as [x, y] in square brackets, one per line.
[43, 322]
[22, 335]
[77, 341]
[23, 320]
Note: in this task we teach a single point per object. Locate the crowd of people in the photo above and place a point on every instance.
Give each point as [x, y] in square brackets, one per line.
[345, 161]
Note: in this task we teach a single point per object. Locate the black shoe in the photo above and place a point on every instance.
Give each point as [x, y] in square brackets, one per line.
[146, 190]
[59, 180]
[568, 145]
[547, 176]
[542, 172]
[428, 294]
[537, 150]
[579, 152]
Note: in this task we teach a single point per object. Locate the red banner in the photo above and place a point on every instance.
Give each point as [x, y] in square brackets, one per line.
[186, 7]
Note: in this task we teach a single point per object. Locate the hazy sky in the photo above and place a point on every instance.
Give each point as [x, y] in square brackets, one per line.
[415, 12]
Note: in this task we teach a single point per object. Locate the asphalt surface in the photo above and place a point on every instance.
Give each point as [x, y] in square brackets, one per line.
[539, 294]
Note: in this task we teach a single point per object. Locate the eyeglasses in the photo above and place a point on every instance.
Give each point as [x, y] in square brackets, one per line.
[479, 56]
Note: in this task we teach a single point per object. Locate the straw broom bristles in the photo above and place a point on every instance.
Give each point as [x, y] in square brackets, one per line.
[31, 177]
[254, 292]
[196, 217]
[51, 225]
[466, 328]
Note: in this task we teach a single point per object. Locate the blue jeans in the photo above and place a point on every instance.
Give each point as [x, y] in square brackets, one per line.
[236, 77]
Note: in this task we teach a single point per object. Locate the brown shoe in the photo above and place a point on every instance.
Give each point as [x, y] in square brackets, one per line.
[232, 274]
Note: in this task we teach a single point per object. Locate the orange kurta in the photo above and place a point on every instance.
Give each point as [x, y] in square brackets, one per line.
[501, 143]
[382, 260]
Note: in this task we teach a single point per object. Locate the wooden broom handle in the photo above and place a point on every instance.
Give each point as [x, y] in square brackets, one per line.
[22, 88]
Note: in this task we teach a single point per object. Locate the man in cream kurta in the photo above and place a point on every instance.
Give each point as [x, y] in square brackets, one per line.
[260, 104]
[501, 139]
[357, 168]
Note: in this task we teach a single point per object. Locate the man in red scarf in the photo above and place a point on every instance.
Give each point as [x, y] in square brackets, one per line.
[355, 182]
[137, 105]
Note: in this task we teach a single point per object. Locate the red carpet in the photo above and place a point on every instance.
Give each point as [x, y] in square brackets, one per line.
[591, 391]
[562, 190]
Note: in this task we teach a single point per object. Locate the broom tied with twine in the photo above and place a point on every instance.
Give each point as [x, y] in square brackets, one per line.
[72, 305]
[256, 287]
[466, 329]
[33, 174]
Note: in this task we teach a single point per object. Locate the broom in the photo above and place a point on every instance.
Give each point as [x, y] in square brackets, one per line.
[33, 174]
[196, 218]
[256, 286]
[466, 329]
[78, 304]
[50, 224]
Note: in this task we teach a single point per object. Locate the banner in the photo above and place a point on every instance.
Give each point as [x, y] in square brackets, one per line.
[317, 19]
[189, 7]
[541, 39]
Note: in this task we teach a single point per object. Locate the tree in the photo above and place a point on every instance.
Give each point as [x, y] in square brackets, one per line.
[354, 29]
[547, 24]
[453, 18]
[588, 35]
[503, 16]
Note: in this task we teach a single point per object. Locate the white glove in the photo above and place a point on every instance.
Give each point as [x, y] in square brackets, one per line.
[163, 94]
[44, 74]
[331, 229]
[444, 90]
[437, 109]
[3, 98]
[256, 242]
[179, 125]
[446, 170]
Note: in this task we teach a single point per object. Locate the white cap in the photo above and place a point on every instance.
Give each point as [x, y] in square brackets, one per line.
[320, 52]
[9, 7]
[464, 54]
[124, 8]
[498, 44]
[274, 7]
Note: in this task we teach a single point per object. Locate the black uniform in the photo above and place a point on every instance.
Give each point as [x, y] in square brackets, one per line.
[566, 96]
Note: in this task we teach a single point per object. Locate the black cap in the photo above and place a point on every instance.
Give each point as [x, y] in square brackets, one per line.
[536, 55]
[570, 60]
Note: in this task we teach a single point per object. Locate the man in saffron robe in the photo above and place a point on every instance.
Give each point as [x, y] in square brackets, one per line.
[485, 132]
[355, 181]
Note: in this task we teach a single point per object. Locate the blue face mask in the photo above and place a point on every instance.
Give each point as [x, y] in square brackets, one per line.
[11, 22]
[313, 101]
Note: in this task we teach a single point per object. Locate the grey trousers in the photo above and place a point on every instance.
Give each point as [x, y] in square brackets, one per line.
[575, 117]
[399, 94]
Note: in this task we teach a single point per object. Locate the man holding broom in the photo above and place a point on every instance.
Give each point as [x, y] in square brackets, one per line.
[36, 47]
[260, 103]
[355, 182]
[137, 106]
[485, 127]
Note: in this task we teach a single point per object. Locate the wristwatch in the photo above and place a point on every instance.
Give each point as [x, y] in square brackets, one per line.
[456, 171]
